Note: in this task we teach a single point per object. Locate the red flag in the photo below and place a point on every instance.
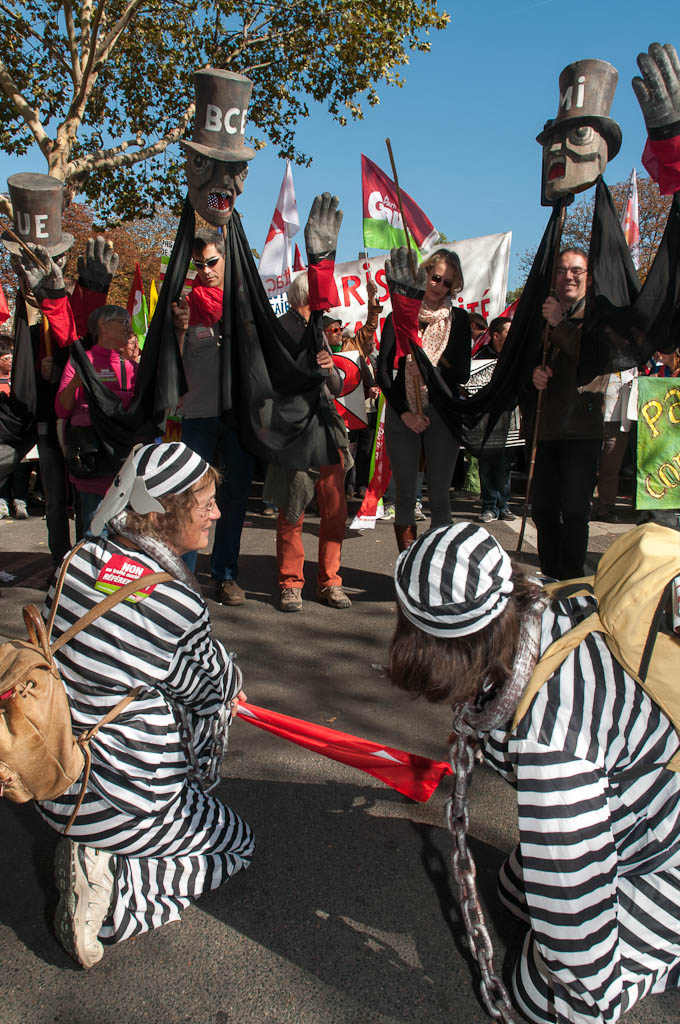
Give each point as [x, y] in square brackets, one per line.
[298, 263]
[414, 776]
[630, 220]
[484, 339]
[383, 226]
[4, 308]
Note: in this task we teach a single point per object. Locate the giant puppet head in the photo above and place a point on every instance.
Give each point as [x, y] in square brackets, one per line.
[217, 159]
[582, 138]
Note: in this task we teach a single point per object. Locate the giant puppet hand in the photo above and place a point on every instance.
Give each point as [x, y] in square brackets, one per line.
[399, 273]
[406, 282]
[322, 228]
[97, 265]
[658, 91]
[321, 241]
[40, 283]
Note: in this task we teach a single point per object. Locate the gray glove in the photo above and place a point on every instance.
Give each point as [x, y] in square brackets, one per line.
[658, 91]
[43, 284]
[322, 228]
[399, 274]
[97, 265]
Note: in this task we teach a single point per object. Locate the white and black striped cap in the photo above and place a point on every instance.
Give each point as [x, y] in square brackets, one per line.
[150, 472]
[169, 468]
[453, 580]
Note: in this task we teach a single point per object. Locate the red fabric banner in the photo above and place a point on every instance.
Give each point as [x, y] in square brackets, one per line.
[323, 291]
[661, 158]
[405, 316]
[4, 308]
[414, 776]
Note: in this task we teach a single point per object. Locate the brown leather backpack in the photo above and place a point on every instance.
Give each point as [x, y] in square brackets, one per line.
[40, 758]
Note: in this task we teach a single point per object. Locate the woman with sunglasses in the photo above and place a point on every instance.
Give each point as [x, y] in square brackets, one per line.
[411, 420]
[148, 838]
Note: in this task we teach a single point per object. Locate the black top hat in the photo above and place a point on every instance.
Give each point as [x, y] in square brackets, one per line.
[37, 201]
[222, 99]
[586, 93]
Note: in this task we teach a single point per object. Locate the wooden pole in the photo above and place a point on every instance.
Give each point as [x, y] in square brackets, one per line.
[411, 253]
[544, 356]
[20, 241]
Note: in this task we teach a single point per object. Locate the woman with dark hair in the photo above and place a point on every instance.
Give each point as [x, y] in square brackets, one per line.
[411, 421]
[148, 838]
[596, 874]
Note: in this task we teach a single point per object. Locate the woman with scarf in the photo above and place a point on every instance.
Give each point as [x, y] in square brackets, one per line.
[596, 874]
[411, 420]
[148, 838]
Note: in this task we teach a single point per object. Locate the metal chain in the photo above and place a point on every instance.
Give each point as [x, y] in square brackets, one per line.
[494, 994]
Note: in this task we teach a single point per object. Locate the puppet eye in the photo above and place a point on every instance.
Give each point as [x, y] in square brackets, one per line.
[200, 165]
[581, 135]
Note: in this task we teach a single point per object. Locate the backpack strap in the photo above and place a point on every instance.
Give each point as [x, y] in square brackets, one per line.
[551, 660]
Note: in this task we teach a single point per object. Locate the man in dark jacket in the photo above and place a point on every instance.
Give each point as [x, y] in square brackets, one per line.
[570, 428]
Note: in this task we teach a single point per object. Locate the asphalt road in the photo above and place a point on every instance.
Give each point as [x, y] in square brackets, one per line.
[347, 914]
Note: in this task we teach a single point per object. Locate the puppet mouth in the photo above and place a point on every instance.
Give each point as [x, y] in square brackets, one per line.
[556, 170]
[220, 201]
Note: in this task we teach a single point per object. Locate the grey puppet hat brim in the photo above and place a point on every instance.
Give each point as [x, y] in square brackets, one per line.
[607, 126]
[240, 153]
[56, 249]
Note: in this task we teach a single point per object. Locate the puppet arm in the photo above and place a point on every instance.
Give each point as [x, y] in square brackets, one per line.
[658, 93]
[406, 291]
[321, 240]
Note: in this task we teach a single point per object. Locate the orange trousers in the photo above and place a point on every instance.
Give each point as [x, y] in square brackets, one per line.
[290, 553]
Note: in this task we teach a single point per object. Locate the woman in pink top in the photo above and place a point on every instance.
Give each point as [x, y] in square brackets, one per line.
[111, 329]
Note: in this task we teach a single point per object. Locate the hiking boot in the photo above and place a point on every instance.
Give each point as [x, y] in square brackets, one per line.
[4, 509]
[334, 597]
[20, 510]
[84, 877]
[290, 600]
[229, 592]
[405, 535]
[507, 516]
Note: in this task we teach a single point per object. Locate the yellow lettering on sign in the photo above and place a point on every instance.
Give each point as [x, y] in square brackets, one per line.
[651, 412]
[650, 490]
[672, 414]
[675, 480]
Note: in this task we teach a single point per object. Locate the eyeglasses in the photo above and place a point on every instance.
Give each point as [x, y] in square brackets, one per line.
[574, 271]
[212, 262]
[437, 278]
[335, 329]
[203, 511]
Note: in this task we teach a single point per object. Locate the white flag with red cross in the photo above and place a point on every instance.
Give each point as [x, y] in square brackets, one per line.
[630, 219]
[275, 264]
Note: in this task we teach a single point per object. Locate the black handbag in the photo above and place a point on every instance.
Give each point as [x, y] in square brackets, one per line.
[85, 456]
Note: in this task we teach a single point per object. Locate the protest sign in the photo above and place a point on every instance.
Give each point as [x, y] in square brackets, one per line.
[658, 451]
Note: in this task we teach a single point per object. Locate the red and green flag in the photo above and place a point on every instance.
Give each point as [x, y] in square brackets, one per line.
[383, 226]
[136, 307]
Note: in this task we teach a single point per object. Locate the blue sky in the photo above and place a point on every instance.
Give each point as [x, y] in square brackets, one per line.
[463, 127]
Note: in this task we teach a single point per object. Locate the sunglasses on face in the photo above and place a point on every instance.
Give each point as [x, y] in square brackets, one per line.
[438, 278]
[334, 330]
[212, 262]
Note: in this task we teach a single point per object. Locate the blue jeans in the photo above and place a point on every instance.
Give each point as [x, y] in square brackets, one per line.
[218, 442]
[494, 479]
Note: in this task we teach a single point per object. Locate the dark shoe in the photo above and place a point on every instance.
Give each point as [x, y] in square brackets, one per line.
[507, 516]
[290, 600]
[334, 597]
[405, 535]
[604, 516]
[84, 878]
[229, 592]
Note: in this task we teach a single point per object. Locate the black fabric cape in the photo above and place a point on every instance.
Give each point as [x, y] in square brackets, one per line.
[271, 392]
[18, 408]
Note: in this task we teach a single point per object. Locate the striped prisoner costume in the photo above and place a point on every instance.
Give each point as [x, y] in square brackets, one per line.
[171, 841]
[596, 875]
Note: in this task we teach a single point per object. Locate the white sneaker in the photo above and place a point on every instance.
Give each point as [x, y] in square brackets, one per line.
[20, 510]
[388, 513]
[4, 509]
[84, 877]
[418, 514]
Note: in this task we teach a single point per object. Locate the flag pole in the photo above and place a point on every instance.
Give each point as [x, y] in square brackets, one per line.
[20, 241]
[544, 356]
[411, 254]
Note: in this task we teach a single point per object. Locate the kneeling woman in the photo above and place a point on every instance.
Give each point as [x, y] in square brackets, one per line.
[596, 875]
[148, 839]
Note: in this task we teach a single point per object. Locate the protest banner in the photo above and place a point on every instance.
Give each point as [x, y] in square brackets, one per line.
[351, 402]
[658, 449]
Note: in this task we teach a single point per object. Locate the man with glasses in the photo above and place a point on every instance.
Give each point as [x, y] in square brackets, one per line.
[213, 436]
[570, 429]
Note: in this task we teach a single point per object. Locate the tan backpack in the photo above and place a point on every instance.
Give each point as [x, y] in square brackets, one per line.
[632, 587]
[40, 758]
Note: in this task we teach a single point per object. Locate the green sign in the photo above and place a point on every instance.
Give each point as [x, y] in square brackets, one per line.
[658, 452]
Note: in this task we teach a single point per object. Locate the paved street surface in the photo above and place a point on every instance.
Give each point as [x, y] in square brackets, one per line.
[347, 915]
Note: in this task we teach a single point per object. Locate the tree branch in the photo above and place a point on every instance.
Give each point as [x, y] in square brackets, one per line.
[72, 45]
[79, 170]
[29, 116]
[32, 32]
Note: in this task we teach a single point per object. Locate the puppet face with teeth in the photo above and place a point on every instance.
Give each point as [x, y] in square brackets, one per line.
[214, 186]
[573, 158]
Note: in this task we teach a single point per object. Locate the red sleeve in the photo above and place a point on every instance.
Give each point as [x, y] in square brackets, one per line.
[62, 325]
[84, 301]
[661, 158]
[323, 292]
[405, 319]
